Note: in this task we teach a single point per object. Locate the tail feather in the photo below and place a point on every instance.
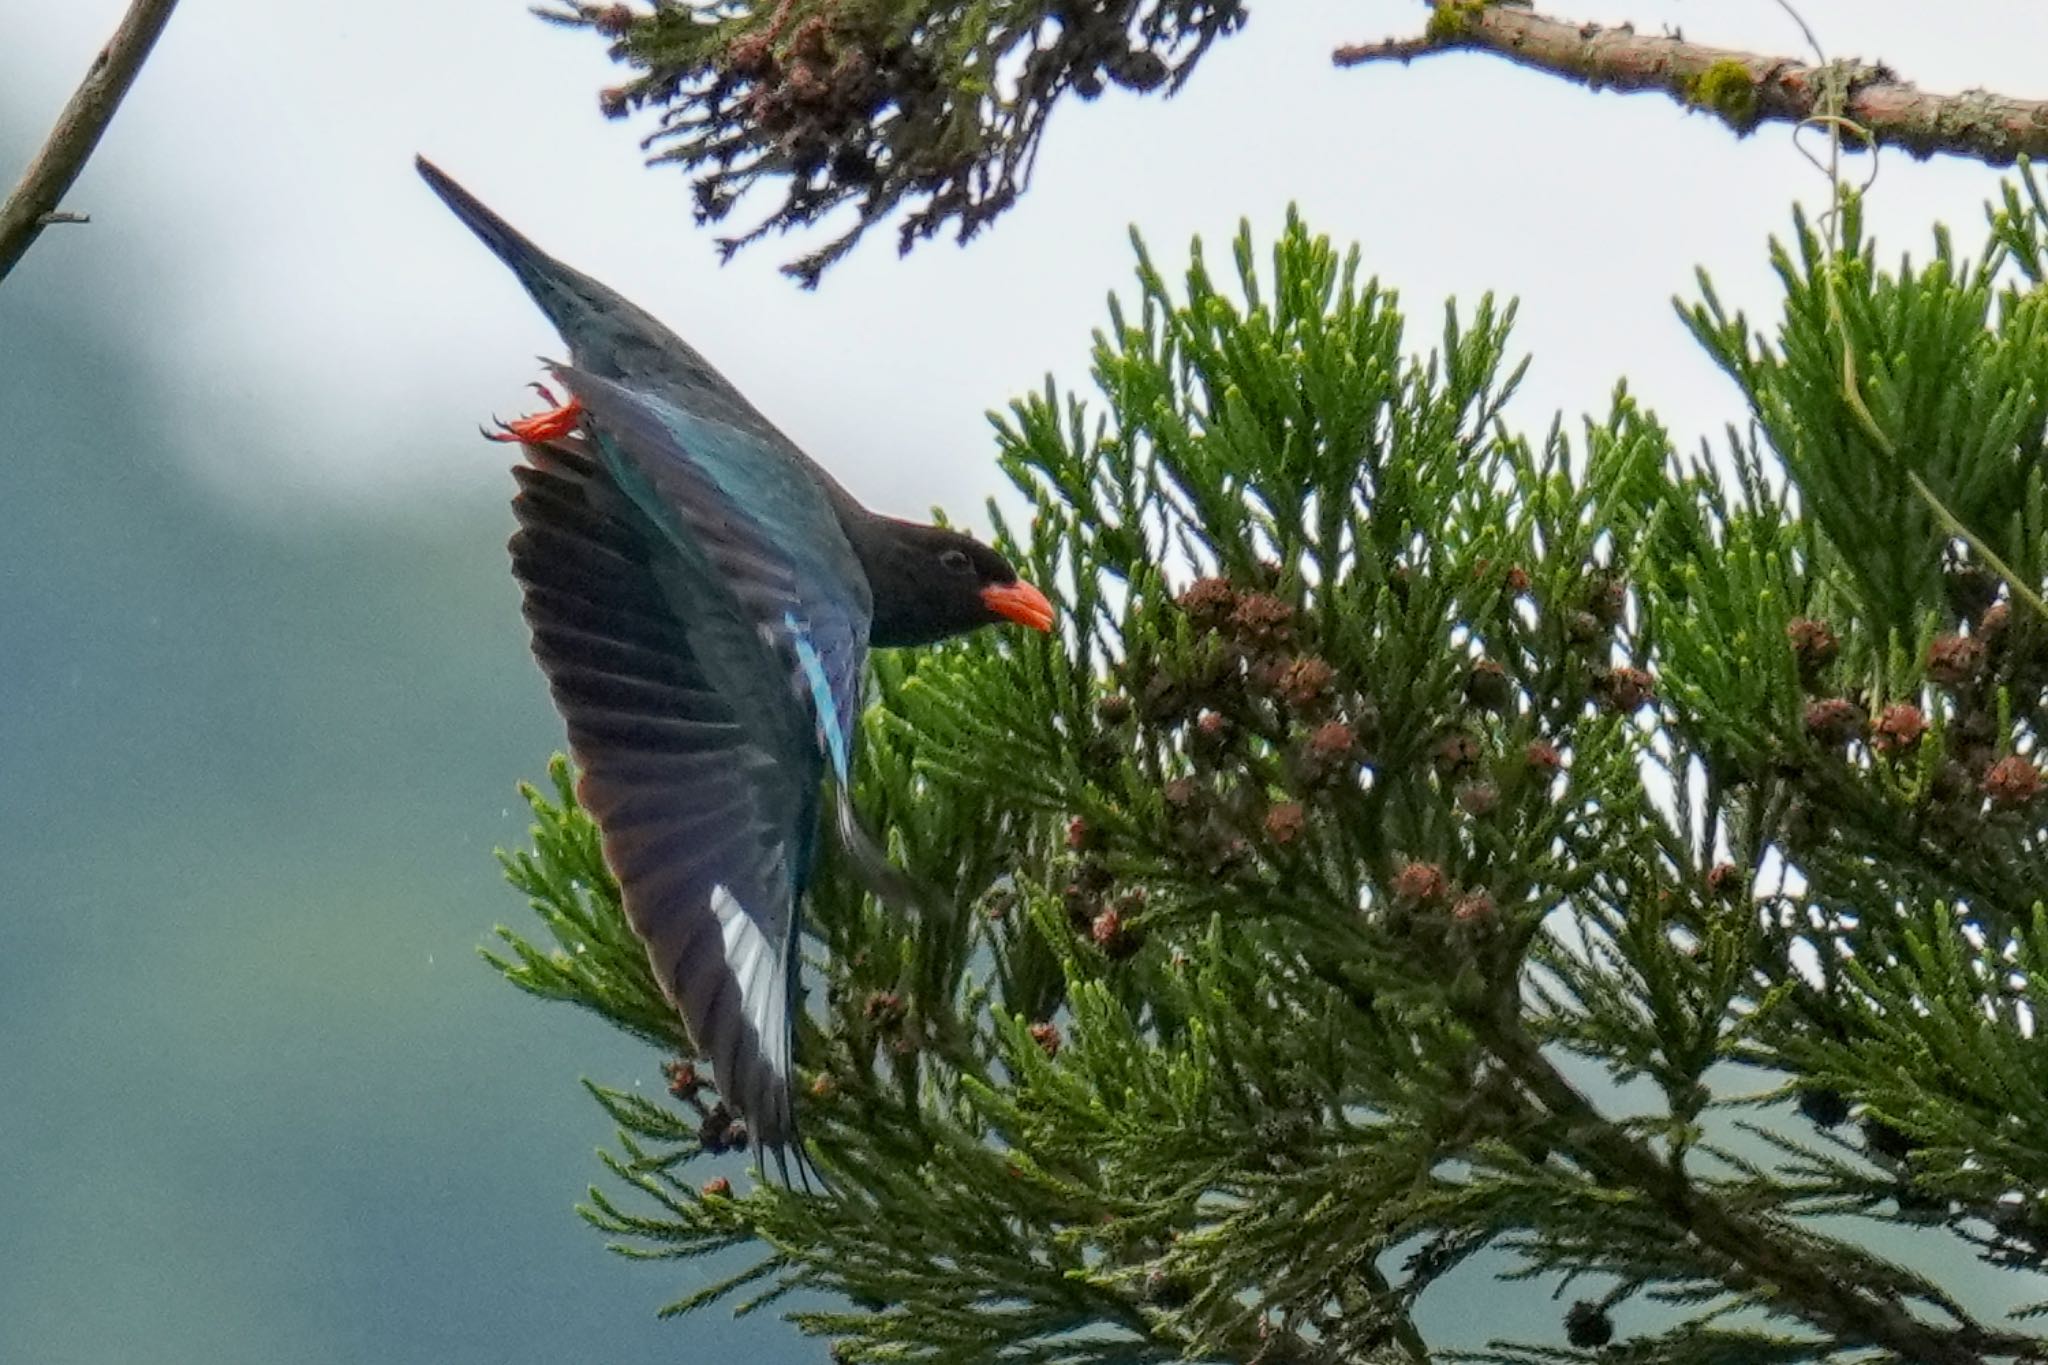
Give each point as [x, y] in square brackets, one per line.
[608, 335]
[532, 265]
[591, 317]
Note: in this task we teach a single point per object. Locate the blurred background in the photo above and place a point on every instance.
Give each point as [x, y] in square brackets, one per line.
[264, 695]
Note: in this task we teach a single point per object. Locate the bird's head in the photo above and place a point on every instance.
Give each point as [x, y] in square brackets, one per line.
[930, 582]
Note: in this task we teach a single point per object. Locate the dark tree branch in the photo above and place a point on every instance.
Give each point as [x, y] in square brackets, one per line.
[847, 107]
[1781, 1267]
[32, 205]
[1744, 89]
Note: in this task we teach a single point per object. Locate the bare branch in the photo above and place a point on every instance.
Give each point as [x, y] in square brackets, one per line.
[1744, 89]
[32, 205]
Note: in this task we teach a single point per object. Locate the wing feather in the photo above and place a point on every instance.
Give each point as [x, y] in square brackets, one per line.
[706, 685]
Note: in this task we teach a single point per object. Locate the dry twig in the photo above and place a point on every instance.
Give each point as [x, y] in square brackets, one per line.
[32, 205]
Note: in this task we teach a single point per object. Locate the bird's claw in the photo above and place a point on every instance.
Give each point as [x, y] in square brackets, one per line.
[558, 421]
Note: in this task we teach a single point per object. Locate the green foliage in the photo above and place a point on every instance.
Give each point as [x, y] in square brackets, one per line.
[600, 964]
[1938, 393]
[880, 104]
[1391, 771]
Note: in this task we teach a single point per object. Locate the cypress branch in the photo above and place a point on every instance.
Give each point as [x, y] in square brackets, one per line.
[1404, 788]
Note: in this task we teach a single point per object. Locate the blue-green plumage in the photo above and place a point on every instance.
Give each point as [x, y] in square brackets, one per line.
[702, 598]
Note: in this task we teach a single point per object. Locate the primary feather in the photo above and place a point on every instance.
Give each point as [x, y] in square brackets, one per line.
[706, 815]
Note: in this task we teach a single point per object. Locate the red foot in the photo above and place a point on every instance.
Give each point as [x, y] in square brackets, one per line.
[558, 421]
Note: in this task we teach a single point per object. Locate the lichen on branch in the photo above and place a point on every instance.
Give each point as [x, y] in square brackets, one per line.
[1743, 89]
[865, 107]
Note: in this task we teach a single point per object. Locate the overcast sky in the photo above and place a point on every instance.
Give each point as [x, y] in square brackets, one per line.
[337, 334]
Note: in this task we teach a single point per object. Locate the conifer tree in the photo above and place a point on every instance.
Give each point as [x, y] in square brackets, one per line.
[1431, 845]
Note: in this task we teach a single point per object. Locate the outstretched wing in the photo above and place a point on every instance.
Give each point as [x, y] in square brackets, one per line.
[693, 665]
[747, 502]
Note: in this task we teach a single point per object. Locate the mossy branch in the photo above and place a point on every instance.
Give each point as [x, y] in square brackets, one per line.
[1743, 89]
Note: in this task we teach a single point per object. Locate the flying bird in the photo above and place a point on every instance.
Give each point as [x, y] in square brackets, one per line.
[702, 597]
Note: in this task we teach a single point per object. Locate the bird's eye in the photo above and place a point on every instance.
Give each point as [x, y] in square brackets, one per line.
[954, 561]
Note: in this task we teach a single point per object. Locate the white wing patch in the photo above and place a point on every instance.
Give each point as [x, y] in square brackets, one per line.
[757, 966]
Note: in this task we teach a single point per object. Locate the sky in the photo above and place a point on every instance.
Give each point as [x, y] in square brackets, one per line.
[266, 692]
[336, 331]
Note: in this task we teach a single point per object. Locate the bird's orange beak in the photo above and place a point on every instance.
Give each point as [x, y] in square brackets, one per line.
[1019, 602]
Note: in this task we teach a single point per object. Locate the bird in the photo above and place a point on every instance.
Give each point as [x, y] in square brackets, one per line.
[701, 598]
